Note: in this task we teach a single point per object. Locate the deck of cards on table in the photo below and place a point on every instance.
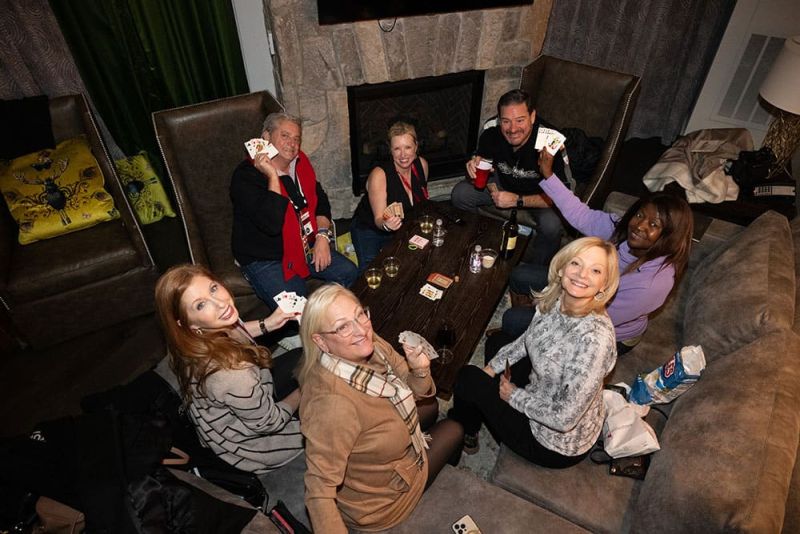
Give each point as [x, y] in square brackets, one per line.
[551, 139]
[257, 146]
[291, 302]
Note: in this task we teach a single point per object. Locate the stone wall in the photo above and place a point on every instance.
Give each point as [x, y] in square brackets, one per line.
[315, 64]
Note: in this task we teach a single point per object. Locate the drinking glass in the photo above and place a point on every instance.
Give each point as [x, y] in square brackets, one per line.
[373, 277]
[391, 266]
[445, 339]
[426, 224]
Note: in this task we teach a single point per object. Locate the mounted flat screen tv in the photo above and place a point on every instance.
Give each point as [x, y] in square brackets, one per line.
[338, 11]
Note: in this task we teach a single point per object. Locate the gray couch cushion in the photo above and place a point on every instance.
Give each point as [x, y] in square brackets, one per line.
[584, 494]
[743, 289]
[457, 492]
[729, 448]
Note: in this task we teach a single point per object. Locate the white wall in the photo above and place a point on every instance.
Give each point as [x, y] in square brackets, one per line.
[777, 18]
[255, 43]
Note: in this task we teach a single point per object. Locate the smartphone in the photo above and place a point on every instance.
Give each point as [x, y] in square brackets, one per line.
[466, 525]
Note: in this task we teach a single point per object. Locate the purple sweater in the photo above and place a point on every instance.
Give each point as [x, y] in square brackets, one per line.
[641, 291]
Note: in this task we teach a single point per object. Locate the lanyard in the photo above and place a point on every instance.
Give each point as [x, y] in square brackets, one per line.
[407, 184]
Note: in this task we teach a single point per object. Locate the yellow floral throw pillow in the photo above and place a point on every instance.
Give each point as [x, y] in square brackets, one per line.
[144, 189]
[55, 192]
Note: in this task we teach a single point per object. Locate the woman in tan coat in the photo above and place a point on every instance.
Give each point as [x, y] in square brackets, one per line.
[368, 460]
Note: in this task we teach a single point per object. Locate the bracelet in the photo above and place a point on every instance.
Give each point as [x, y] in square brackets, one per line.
[326, 237]
[420, 373]
[263, 327]
[385, 228]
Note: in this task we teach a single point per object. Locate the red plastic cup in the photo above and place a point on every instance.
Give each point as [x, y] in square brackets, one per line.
[482, 173]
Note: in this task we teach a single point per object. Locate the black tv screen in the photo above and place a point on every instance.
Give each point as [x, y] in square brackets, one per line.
[338, 11]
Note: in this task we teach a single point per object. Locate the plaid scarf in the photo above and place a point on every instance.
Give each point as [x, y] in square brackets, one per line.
[389, 386]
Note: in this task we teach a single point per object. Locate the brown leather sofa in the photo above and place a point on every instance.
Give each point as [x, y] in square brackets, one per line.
[598, 101]
[201, 145]
[69, 285]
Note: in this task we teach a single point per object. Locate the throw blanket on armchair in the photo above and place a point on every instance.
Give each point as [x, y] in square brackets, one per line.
[697, 162]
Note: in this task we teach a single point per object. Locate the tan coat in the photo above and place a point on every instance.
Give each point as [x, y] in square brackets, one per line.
[362, 469]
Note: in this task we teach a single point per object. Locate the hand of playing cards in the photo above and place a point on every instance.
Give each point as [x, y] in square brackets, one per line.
[291, 302]
[550, 139]
[414, 340]
[258, 146]
[395, 209]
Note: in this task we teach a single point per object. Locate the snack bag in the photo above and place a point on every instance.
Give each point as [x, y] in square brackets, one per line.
[666, 383]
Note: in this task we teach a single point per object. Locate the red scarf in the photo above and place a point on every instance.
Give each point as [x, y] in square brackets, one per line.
[294, 258]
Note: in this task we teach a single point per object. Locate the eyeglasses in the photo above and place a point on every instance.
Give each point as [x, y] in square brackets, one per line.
[346, 329]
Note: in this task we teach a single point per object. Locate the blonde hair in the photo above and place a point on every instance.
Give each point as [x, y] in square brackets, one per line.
[548, 297]
[314, 317]
[402, 128]
[196, 356]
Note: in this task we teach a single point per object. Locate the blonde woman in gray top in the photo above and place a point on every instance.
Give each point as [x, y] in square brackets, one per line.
[551, 410]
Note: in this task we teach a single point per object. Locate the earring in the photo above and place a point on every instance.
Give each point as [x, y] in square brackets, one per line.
[198, 331]
[599, 296]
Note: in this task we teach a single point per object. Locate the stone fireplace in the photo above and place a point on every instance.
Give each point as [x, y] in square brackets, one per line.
[444, 110]
[317, 64]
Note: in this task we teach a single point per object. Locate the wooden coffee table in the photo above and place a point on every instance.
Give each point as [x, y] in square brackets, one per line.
[467, 305]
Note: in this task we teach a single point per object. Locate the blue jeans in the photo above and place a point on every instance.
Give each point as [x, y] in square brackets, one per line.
[266, 277]
[547, 239]
[527, 277]
[367, 242]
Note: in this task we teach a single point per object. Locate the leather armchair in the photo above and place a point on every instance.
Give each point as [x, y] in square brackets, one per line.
[201, 145]
[69, 285]
[598, 101]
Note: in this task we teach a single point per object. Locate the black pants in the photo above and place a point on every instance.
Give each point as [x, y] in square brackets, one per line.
[476, 400]
[282, 370]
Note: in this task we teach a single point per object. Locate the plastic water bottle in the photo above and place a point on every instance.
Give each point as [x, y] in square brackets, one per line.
[438, 234]
[475, 260]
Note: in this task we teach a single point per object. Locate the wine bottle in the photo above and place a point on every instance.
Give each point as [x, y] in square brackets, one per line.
[510, 231]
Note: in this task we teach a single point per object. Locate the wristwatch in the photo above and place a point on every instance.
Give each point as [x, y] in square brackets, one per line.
[520, 201]
[324, 233]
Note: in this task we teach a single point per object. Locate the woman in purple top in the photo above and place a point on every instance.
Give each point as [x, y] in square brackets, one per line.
[653, 242]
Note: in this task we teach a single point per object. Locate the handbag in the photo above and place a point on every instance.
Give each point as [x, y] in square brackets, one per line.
[58, 518]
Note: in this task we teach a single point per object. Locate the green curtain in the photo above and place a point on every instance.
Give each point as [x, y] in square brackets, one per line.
[140, 56]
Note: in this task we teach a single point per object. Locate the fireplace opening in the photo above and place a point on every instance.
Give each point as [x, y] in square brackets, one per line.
[445, 110]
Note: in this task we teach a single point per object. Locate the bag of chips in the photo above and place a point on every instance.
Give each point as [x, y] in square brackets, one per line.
[667, 382]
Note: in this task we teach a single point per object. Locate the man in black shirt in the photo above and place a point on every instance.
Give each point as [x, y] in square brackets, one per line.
[282, 218]
[510, 146]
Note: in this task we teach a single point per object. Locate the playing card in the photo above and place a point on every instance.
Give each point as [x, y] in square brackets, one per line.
[418, 241]
[286, 300]
[555, 142]
[414, 340]
[430, 292]
[550, 139]
[258, 145]
[400, 210]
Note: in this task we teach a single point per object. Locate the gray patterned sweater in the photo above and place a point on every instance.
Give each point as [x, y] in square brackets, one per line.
[239, 420]
[570, 358]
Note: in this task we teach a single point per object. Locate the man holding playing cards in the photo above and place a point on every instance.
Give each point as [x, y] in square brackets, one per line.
[282, 218]
[515, 183]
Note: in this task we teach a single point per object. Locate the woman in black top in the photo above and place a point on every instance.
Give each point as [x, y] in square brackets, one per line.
[404, 180]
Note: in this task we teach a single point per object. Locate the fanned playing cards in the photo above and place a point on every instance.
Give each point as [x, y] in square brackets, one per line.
[395, 209]
[291, 302]
[550, 139]
[414, 340]
[257, 145]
